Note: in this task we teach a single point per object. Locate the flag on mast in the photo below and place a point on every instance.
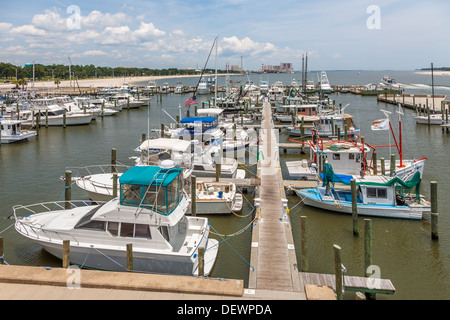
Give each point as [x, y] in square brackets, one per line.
[382, 124]
[192, 100]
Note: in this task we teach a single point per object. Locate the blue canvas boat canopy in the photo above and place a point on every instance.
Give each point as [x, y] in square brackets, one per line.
[198, 119]
[146, 175]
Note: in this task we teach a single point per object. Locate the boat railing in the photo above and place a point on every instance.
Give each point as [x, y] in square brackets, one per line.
[80, 172]
[22, 214]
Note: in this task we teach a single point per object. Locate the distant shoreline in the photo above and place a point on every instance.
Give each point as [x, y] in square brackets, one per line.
[436, 73]
[101, 83]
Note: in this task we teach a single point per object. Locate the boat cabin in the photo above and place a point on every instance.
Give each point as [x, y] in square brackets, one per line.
[152, 187]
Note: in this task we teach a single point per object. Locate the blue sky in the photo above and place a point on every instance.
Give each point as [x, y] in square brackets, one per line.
[175, 33]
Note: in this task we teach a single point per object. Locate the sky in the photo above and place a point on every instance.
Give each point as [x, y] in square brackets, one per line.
[336, 35]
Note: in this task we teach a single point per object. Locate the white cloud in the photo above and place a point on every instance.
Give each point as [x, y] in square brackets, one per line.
[94, 53]
[50, 20]
[27, 30]
[246, 45]
[97, 19]
[4, 26]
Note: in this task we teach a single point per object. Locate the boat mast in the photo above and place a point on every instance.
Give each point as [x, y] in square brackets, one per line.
[432, 84]
[215, 85]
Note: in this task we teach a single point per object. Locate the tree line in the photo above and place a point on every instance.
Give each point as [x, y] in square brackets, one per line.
[58, 71]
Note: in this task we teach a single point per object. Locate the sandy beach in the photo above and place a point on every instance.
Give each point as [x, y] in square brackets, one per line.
[99, 83]
[436, 73]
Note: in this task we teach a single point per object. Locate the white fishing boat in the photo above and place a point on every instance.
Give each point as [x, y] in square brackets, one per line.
[263, 87]
[128, 101]
[179, 88]
[388, 82]
[203, 87]
[276, 92]
[165, 88]
[324, 124]
[149, 214]
[324, 83]
[53, 115]
[349, 158]
[11, 131]
[216, 198]
[375, 196]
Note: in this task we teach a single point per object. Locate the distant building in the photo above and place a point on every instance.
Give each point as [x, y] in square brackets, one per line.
[282, 68]
[235, 67]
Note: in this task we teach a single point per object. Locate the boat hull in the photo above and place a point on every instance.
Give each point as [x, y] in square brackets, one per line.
[311, 198]
[99, 258]
[18, 137]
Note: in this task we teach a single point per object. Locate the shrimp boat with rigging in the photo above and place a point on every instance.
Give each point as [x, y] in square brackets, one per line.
[149, 214]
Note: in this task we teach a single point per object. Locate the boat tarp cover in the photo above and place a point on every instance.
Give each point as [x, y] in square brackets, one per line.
[329, 177]
[146, 175]
[198, 119]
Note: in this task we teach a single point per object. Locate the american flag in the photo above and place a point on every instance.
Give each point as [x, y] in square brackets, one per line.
[192, 100]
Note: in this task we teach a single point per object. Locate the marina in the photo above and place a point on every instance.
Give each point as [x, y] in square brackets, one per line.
[260, 244]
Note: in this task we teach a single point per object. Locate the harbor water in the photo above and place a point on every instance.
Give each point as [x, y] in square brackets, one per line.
[403, 250]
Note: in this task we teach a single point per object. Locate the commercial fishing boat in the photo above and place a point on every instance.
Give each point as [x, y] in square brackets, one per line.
[375, 196]
[149, 214]
[11, 131]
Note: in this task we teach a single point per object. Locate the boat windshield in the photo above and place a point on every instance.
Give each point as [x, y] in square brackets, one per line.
[160, 198]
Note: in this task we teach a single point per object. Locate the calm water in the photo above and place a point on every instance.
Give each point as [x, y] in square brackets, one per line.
[404, 251]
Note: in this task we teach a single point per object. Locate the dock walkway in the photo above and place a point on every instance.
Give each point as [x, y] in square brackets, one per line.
[273, 260]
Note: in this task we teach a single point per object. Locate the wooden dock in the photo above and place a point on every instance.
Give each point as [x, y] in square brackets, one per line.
[350, 283]
[412, 101]
[273, 260]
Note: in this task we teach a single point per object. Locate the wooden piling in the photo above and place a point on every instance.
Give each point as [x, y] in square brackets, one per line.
[434, 211]
[393, 160]
[66, 254]
[218, 171]
[201, 261]
[354, 207]
[130, 257]
[304, 254]
[113, 160]
[2, 260]
[383, 168]
[338, 272]
[115, 180]
[368, 253]
[193, 196]
[374, 164]
[64, 118]
[68, 189]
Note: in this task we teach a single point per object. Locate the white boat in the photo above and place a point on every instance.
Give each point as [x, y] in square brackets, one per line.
[349, 158]
[376, 196]
[97, 181]
[263, 87]
[55, 116]
[209, 132]
[388, 82]
[324, 83]
[149, 214]
[203, 87]
[11, 131]
[165, 88]
[276, 92]
[128, 101]
[179, 88]
[216, 198]
[150, 87]
[435, 119]
[323, 124]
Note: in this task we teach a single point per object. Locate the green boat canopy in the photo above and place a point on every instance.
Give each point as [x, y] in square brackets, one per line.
[146, 175]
